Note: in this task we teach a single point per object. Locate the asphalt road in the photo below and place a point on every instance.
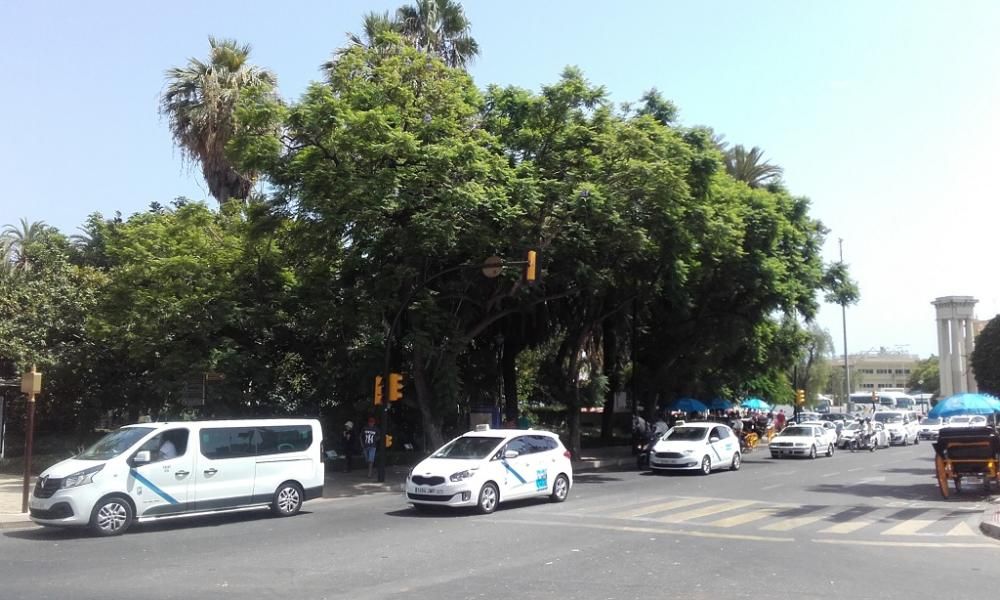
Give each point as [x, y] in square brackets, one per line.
[851, 526]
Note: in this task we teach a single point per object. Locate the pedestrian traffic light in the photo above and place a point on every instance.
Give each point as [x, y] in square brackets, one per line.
[800, 397]
[395, 387]
[378, 390]
[388, 441]
[531, 270]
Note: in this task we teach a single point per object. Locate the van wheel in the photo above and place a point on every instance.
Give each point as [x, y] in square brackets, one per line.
[111, 516]
[287, 499]
[560, 488]
[489, 497]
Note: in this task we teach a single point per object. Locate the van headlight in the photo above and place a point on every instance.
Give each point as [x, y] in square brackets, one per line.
[81, 477]
[461, 475]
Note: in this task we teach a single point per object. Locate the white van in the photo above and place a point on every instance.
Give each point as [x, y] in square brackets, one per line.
[158, 470]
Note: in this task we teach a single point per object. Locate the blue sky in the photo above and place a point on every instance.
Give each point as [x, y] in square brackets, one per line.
[884, 113]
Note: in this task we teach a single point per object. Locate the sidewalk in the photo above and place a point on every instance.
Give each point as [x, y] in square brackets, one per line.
[337, 485]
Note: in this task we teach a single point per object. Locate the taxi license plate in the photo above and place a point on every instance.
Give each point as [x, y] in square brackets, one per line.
[421, 490]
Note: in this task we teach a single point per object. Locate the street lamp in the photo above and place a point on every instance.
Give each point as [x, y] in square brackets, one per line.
[843, 313]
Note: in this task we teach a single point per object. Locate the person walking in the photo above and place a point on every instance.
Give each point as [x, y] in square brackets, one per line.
[348, 442]
[370, 437]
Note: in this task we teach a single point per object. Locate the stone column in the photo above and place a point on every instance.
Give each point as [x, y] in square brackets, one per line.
[957, 358]
[944, 358]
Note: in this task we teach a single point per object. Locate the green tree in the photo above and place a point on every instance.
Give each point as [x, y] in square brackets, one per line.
[925, 377]
[439, 27]
[16, 242]
[198, 102]
[750, 166]
[986, 358]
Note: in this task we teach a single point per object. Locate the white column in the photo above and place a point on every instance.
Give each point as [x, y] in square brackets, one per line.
[957, 360]
[944, 358]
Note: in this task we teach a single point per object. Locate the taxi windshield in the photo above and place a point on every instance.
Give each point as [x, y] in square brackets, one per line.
[468, 448]
[930, 421]
[686, 434]
[114, 443]
[889, 417]
[797, 431]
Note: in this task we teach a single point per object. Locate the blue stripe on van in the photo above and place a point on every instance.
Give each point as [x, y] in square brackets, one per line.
[151, 486]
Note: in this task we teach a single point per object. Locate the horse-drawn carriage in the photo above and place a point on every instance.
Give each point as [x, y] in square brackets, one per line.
[967, 452]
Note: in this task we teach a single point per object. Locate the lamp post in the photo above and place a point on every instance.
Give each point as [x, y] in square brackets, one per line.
[31, 384]
[843, 314]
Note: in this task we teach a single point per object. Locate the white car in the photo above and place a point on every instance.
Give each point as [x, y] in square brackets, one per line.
[828, 425]
[696, 446]
[929, 427]
[851, 429]
[486, 467]
[900, 424]
[967, 421]
[803, 440]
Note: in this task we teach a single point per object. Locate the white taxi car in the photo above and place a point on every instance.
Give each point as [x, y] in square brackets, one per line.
[901, 425]
[701, 446]
[486, 467]
[803, 440]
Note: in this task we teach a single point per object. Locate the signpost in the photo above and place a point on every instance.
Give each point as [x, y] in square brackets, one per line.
[31, 384]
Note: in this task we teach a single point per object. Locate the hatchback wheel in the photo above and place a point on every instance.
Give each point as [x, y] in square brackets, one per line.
[560, 488]
[812, 452]
[737, 461]
[829, 451]
[706, 465]
[489, 496]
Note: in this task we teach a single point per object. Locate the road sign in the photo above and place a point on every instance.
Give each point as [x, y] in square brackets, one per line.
[193, 392]
[493, 266]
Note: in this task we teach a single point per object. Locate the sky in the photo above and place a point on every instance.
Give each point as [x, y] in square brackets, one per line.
[884, 114]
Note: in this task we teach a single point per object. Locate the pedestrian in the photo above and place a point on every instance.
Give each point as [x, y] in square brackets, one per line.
[370, 437]
[779, 421]
[348, 441]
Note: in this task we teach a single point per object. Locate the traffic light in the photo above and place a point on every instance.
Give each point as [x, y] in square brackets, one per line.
[395, 387]
[800, 397]
[388, 441]
[531, 270]
[378, 390]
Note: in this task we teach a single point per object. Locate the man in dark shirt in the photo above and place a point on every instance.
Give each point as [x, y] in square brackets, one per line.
[370, 437]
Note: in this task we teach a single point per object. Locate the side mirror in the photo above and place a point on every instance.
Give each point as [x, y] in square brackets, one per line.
[712, 439]
[142, 457]
[511, 454]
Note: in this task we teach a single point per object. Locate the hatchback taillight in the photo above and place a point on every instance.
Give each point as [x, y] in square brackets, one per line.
[567, 454]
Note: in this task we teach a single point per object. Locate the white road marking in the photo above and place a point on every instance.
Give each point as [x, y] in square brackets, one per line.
[771, 487]
[665, 531]
[743, 519]
[648, 510]
[995, 546]
[793, 523]
[962, 529]
[847, 527]
[855, 469]
[831, 474]
[707, 511]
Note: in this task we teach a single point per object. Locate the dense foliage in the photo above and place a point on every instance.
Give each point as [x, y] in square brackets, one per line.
[986, 358]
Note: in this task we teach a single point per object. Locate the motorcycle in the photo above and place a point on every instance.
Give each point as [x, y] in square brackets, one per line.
[862, 441]
[644, 447]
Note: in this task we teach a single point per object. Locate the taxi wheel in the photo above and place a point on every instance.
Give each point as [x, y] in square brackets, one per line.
[287, 500]
[812, 452]
[737, 461]
[706, 465]
[111, 516]
[916, 440]
[560, 488]
[829, 451]
[489, 497]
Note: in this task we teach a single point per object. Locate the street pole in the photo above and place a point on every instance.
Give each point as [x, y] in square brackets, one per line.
[31, 385]
[635, 371]
[843, 314]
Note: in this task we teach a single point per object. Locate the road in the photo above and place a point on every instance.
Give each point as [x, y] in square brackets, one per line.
[854, 525]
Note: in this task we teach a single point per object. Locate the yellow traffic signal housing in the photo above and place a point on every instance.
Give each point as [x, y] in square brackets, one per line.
[395, 387]
[378, 390]
[800, 397]
[531, 270]
[388, 441]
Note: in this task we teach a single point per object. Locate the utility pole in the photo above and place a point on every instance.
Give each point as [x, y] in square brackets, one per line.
[843, 314]
[31, 384]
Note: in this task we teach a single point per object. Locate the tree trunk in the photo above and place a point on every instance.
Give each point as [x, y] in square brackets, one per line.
[508, 365]
[425, 398]
[610, 343]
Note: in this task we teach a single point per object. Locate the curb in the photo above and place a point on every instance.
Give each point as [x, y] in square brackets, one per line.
[591, 466]
[990, 525]
[15, 521]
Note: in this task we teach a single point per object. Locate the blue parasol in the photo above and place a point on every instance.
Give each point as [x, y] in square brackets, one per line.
[965, 404]
[688, 405]
[720, 404]
[754, 403]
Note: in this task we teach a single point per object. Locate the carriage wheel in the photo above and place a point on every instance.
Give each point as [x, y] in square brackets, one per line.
[941, 476]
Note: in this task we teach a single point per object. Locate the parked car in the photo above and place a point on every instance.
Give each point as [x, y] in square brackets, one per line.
[967, 421]
[847, 435]
[929, 427]
[803, 440]
[697, 446]
[485, 467]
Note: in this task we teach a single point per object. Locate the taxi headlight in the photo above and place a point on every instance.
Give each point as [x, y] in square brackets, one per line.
[688, 452]
[82, 477]
[461, 475]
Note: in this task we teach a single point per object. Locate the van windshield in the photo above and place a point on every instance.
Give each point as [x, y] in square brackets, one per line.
[114, 443]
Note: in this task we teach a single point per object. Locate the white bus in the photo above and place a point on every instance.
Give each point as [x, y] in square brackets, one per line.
[159, 470]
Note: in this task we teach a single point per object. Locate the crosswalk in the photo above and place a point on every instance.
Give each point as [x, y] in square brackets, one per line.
[869, 521]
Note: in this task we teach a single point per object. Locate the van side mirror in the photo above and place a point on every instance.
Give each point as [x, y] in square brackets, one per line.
[142, 457]
[511, 454]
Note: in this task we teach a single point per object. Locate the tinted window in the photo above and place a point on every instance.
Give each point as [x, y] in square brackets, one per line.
[228, 442]
[541, 443]
[521, 445]
[279, 439]
[720, 432]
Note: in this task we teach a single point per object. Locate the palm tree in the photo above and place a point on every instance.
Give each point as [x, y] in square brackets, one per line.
[374, 26]
[199, 101]
[439, 27]
[15, 241]
[750, 167]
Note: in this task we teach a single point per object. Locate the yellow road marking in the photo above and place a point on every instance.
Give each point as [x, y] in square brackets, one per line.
[847, 527]
[792, 523]
[648, 510]
[962, 529]
[706, 511]
[743, 519]
[908, 544]
[909, 527]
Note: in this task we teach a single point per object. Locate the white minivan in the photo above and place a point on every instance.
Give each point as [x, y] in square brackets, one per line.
[159, 470]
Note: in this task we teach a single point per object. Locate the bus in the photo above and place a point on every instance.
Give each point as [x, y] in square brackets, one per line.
[891, 400]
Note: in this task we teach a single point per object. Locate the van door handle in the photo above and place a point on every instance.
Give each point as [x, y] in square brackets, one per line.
[210, 472]
[182, 473]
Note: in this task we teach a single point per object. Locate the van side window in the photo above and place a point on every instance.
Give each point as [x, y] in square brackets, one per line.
[279, 439]
[166, 445]
[229, 442]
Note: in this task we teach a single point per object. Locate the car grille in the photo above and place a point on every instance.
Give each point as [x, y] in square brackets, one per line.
[428, 497]
[782, 444]
[59, 510]
[422, 480]
[669, 455]
[45, 487]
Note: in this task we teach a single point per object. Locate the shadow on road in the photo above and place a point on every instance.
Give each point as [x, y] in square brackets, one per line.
[917, 492]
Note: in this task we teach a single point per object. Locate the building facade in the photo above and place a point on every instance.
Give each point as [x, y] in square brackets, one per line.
[881, 369]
